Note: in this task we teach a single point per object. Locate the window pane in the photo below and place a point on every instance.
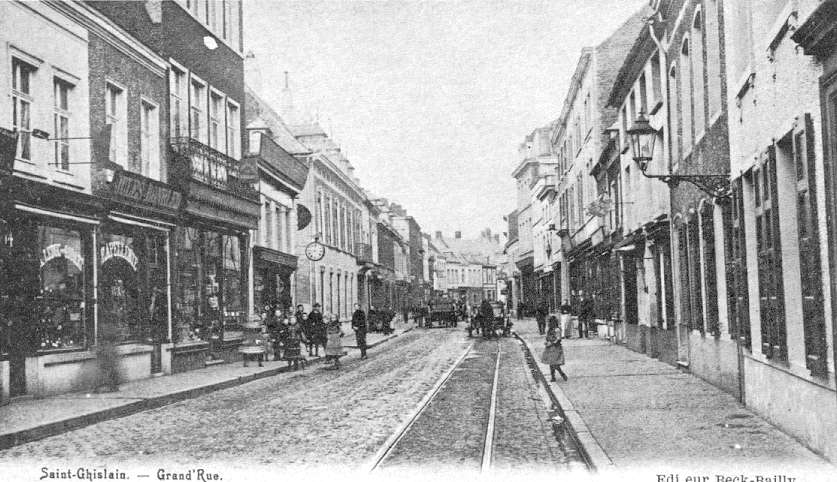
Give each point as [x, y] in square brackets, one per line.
[60, 310]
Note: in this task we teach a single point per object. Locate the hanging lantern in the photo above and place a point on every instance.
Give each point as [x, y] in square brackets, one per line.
[642, 137]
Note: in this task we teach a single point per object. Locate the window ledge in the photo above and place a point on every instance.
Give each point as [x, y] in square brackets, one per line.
[744, 84]
[70, 184]
[786, 22]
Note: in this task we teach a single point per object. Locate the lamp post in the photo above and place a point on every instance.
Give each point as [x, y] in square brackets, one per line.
[643, 137]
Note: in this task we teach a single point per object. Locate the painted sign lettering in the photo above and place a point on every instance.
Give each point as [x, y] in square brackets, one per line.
[145, 191]
[118, 250]
[59, 250]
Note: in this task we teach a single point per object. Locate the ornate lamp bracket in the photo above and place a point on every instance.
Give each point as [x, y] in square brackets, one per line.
[716, 185]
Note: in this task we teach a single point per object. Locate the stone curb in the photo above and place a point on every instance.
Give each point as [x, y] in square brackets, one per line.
[8, 440]
[590, 449]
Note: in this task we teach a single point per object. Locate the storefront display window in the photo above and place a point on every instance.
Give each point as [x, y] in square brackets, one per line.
[233, 306]
[60, 307]
[188, 313]
[132, 284]
[209, 287]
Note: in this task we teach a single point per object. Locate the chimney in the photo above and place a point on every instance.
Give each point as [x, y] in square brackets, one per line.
[438, 235]
[458, 235]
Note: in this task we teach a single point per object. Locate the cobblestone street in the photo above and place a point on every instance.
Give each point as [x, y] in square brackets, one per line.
[317, 417]
[451, 433]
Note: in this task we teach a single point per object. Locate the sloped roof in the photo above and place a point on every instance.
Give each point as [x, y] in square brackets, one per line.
[261, 115]
[312, 129]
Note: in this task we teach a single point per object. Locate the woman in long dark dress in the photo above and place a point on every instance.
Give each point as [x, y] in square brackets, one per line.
[553, 354]
[295, 336]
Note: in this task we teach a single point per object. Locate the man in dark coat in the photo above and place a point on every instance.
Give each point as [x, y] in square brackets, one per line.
[315, 326]
[359, 325]
[540, 315]
[487, 314]
[585, 316]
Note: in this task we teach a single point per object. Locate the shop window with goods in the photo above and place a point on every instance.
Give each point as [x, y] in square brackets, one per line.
[208, 296]
[132, 284]
[60, 306]
[45, 291]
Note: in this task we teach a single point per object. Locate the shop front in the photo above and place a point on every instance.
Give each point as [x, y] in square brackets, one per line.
[47, 300]
[272, 274]
[210, 296]
[210, 263]
[134, 264]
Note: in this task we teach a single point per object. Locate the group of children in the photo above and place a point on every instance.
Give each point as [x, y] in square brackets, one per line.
[287, 332]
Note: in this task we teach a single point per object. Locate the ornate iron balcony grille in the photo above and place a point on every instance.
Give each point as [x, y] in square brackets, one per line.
[363, 252]
[212, 167]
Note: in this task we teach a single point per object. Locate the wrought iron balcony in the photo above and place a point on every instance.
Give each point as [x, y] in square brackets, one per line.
[363, 252]
[209, 166]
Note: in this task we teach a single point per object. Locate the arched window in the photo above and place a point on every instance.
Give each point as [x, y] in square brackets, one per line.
[684, 87]
[697, 72]
[713, 57]
[674, 110]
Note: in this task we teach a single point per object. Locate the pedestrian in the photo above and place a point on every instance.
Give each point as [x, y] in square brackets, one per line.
[107, 359]
[277, 331]
[553, 354]
[566, 319]
[315, 327]
[487, 314]
[334, 342]
[540, 317]
[585, 316]
[295, 336]
[360, 326]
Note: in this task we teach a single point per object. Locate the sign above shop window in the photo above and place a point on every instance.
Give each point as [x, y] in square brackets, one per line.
[136, 188]
[54, 251]
[116, 249]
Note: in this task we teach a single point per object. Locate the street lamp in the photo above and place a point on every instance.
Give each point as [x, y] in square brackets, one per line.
[643, 136]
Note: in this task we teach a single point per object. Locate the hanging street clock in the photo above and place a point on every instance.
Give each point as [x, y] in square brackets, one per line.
[315, 251]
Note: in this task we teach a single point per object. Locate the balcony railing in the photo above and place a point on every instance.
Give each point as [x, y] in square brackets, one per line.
[363, 252]
[211, 167]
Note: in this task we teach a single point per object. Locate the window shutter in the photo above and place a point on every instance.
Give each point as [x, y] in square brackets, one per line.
[816, 350]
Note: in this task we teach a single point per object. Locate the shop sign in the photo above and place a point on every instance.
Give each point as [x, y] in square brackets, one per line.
[58, 251]
[145, 191]
[116, 249]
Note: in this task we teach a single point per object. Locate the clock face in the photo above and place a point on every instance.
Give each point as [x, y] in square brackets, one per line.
[315, 251]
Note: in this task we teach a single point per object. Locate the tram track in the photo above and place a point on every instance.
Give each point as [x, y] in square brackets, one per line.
[455, 422]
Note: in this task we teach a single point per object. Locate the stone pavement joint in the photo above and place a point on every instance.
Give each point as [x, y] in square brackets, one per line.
[23, 421]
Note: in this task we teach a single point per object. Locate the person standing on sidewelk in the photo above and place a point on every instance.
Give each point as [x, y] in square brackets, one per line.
[359, 325]
[553, 354]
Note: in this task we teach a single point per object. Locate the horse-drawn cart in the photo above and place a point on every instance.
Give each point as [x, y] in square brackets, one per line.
[443, 314]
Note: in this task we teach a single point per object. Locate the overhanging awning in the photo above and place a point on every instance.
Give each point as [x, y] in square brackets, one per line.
[273, 257]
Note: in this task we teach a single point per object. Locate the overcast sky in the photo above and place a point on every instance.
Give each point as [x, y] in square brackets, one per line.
[430, 100]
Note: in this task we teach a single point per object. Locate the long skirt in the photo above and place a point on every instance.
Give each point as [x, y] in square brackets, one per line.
[553, 355]
[334, 345]
[292, 351]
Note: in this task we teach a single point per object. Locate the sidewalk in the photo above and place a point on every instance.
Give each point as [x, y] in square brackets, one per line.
[25, 420]
[630, 411]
